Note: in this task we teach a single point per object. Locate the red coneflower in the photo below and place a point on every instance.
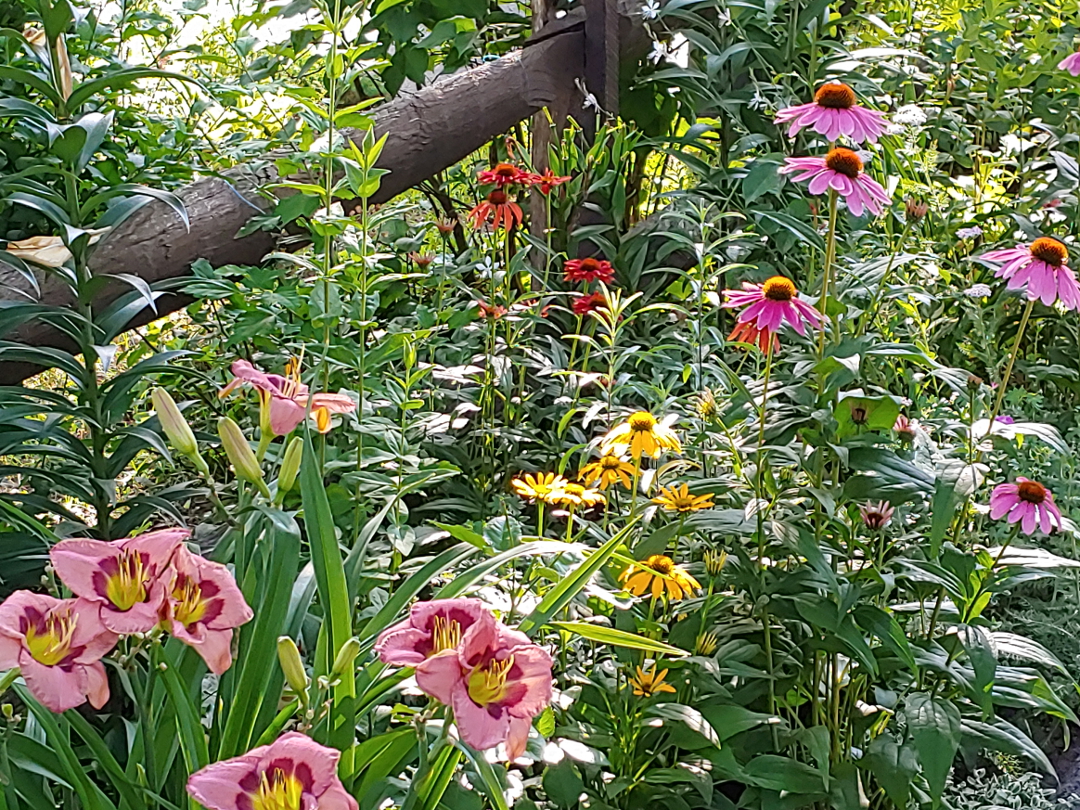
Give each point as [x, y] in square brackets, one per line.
[421, 260]
[546, 181]
[587, 270]
[493, 311]
[589, 303]
[446, 226]
[498, 210]
[504, 174]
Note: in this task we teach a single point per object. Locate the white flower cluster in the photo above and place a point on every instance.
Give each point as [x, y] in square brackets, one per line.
[910, 115]
[978, 291]
[969, 233]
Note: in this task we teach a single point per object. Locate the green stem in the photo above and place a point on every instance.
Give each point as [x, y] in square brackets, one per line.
[826, 273]
[1009, 368]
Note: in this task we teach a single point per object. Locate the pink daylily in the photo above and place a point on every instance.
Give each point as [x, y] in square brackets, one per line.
[202, 607]
[124, 577]
[286, 398]
[496, 681]
[432, 628]
[57, 644]
[294, 772]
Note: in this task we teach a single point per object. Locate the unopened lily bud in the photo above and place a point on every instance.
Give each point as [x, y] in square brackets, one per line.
[290, 465]
[345, 657]
[239, 452]
[292, 665]
[173, 423]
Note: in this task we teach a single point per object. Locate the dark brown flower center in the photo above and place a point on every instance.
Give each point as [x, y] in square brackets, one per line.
[497, 197]
[661, 564]
[506, 170]
[1050, 251]
[1031, 491]
[590, 266]
[844, 161]
[610, 463]
[835, 96]
[778, 288]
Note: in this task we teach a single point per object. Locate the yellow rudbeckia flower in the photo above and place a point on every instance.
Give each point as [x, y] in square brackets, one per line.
[544, 487]
[608, 470]
[647, 684]
[577, 495]
[659, 574]
[641, 435]
[679, 499]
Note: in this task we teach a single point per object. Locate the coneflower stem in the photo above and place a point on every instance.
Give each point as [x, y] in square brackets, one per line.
[634, 490]
[826, 273]
[1008, 369]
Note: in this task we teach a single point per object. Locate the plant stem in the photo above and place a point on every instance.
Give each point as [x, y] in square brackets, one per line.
[826, 273]
[1008, 369]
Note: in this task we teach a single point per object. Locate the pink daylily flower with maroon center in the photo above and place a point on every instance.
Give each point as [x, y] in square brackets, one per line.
[496, 681]
[292, 773]
[432, 628]
[202, 607]
[286, 398]
[123, 577]
[57, 644]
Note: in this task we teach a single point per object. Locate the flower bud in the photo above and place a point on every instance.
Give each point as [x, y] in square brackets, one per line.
[345, 657]
[290, 465]
[915, 209]
[715, 562]
[293, 666]
[173, 423]
[239, 452]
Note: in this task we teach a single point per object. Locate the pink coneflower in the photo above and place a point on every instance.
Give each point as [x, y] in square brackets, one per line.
[768, 305]
[586, 270]
[1071, 63]
[1028, 502]
[842, 171]
[1043, 267]
[904, 428]
[876, 515]
[833, 113]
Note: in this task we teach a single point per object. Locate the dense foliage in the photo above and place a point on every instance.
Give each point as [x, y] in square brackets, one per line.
[721, 460]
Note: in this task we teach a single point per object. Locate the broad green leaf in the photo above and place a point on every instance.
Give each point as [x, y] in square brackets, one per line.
[934, 725]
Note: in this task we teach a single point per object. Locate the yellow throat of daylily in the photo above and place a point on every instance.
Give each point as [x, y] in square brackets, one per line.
[54, 644]
[445, 634]
[278, 791]
[487, 684]
[127, 587]
[190, 606]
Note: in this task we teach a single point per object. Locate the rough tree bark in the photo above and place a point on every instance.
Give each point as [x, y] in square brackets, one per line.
[429, 130]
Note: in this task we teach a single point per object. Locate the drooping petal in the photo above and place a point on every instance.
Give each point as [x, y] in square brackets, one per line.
[481, 727]
[285, 415]
[56, 688]
[439, 675]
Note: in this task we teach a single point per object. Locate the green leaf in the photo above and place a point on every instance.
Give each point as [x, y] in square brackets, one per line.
[618, 638]
[934, 725]
[87, 90]
[332, 586]
[559, 596]
[562, 784]
[862, 412]
[894, 766]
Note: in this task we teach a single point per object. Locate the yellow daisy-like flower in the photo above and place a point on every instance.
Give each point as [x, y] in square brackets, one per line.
[641, 435]
[577, 495]
[544, 487]
[658, 574]
[610, 469]
[679, 499]
[647, 684]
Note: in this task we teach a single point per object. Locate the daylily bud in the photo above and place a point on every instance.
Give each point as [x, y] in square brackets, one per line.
[293, 666]
[290, 465]
[245, 465]
[174, 424]
[345, 657]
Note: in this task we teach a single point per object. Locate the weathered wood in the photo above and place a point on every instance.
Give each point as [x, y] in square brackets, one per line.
[429, 131]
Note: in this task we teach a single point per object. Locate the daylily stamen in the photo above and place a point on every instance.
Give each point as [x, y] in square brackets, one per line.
[488, 684]
[278, 791]
[53, 644]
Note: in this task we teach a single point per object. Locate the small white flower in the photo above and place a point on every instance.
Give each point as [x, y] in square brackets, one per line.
[978, 291]
[758, 102]
[651, 10]
[969, 233]
[591, 103]
[723, 18]
[659, 52]
[910, 115]
[895, 129]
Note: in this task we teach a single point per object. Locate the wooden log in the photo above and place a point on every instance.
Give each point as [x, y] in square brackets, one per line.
[429, 131]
